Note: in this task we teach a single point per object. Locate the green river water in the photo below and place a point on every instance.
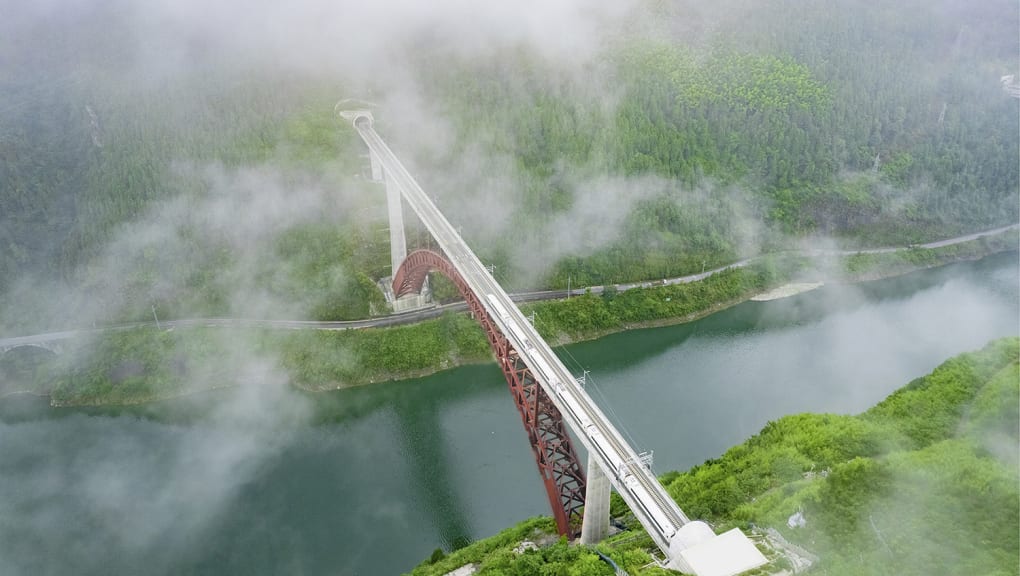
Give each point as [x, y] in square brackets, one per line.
[368, 481]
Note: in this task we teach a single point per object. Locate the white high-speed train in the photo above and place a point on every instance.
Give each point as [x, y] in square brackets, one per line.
[567, 394]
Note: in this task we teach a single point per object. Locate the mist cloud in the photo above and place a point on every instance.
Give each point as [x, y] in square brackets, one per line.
[365, 41]
[227, 229]
[154, 512]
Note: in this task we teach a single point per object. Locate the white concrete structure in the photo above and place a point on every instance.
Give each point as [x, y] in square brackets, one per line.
[595, 525]
[395, 215]
[395, 211]
[465, 570]
[727, 554]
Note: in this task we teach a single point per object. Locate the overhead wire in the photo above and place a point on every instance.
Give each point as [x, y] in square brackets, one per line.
[618, 422]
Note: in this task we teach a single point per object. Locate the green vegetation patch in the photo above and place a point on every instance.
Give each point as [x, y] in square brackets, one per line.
[591, 315]
[144, 364]
[496, 556]
[330, 359]
[912, 486]
[741, 81]
[320, 265]
[929, 409]
[860, 266]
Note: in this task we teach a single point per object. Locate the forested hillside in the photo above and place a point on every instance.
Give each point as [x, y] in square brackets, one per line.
[694, 135]
[877, 124]
[923, 483]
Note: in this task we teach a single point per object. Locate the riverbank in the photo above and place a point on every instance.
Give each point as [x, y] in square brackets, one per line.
[432, 449]
[919, 483]
[787, 290]
[566, 321]
[142, 365]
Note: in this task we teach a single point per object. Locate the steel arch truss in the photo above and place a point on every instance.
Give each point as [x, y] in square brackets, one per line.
[558, 464]
[410, 277]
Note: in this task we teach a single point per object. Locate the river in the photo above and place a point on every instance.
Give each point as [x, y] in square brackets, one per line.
[368, 481]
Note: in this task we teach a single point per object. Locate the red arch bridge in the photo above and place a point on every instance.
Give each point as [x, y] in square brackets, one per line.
[549, 398]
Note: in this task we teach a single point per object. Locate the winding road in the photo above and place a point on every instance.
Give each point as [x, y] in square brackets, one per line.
[436, 311]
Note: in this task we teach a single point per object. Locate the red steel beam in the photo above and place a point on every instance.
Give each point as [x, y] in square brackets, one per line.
[558, 464]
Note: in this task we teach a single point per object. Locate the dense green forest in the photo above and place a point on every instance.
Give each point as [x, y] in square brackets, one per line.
[871, 125]
[696, 135]
[925, 482]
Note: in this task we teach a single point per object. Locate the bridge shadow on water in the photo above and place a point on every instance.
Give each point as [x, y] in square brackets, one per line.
[419, 408]
[426, 452]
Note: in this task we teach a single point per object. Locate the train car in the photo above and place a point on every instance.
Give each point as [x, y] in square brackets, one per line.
[648, 505]
[498, 308]
[622, 471]
[598, 441]
[571, 403]
[543, 368]
[509, 323]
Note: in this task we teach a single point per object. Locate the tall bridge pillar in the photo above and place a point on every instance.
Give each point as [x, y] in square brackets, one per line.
[398, 242]
[595, 524]
[377, 170]
[352, 111]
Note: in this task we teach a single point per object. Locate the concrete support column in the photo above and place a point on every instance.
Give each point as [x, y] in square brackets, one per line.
[377, 171]
[398, 243]
[595, 524]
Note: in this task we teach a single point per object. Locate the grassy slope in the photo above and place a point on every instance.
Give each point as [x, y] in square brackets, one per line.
[144, 364]
[925, 482]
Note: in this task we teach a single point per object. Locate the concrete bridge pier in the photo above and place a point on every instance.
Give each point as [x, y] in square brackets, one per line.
[395, 211]
[394, 207]
[398, 243]
[595, 524]
[377, 169]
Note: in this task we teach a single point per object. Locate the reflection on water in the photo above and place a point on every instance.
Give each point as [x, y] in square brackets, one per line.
[371, 480]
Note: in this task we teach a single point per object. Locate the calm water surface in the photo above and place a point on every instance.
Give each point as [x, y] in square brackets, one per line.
[369, 481]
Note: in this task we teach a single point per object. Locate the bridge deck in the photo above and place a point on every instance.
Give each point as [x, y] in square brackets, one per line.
[646, 497]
